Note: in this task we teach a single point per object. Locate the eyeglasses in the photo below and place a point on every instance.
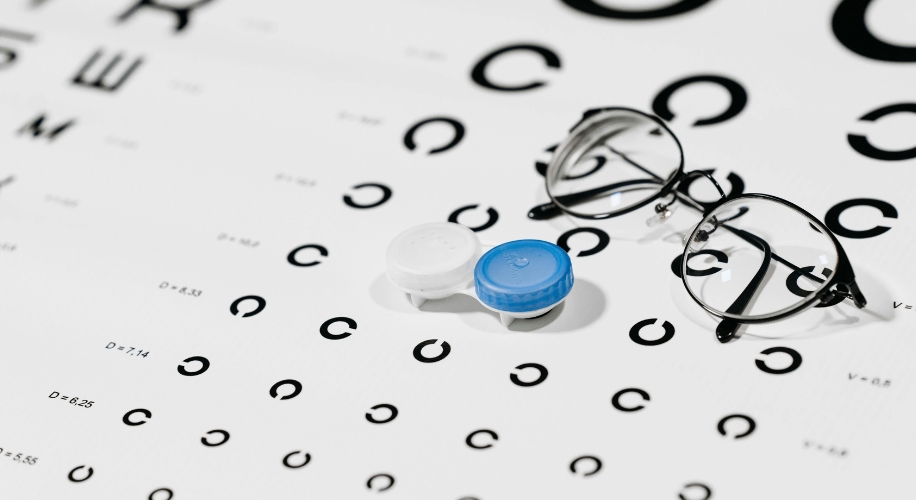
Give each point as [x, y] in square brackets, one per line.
[753, 258]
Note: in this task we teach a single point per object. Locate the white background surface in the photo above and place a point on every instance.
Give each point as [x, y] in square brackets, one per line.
[191, 148]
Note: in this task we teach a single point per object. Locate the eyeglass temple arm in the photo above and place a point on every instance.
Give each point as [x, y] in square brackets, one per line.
[631, 162]
[848, 289]
[728, 326]
[846, 279]
[692, 173]
[551, 209]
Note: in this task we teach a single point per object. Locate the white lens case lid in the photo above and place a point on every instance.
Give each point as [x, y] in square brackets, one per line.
[433, 260]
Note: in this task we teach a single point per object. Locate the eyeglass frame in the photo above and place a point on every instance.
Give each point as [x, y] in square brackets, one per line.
[840, 283]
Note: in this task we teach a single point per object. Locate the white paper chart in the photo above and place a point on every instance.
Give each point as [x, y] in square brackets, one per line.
[196, 198]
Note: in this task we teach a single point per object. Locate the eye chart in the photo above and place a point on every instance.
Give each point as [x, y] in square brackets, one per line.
[196, 198]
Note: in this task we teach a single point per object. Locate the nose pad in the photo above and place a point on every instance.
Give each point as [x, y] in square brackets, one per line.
[701, 234]
[698, 242]
[663, 212]
[700, 239]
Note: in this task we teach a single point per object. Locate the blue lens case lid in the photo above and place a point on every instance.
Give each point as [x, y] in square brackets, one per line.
[523, 275]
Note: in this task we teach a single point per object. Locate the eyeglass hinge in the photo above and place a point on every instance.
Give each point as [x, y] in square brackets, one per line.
[851, 291]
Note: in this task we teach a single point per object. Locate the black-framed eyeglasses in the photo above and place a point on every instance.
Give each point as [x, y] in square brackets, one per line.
[765, 258]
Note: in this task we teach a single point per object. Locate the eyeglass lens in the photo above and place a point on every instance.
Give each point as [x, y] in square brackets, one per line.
[757, 258]
[612, 163]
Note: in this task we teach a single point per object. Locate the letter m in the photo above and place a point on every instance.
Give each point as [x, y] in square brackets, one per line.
[37, 128]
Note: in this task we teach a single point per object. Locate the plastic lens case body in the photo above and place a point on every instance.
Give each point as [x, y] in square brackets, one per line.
[518, 279]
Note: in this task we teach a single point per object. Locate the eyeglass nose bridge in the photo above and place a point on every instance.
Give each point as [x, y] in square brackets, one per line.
[664, 211]
[697, 173]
